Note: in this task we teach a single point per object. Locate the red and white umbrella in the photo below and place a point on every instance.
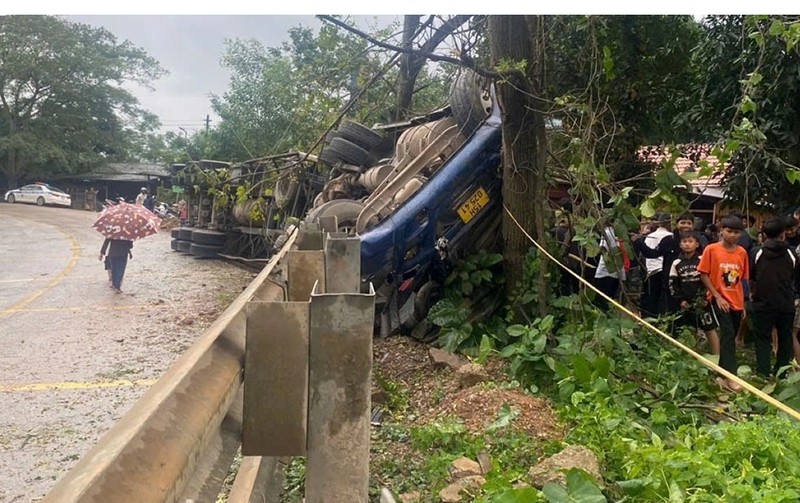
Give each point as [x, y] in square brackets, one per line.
[127, 221]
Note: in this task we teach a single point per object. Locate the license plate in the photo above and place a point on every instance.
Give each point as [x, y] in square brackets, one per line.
[473, 205]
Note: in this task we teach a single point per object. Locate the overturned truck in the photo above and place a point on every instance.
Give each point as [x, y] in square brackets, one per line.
[419, 193]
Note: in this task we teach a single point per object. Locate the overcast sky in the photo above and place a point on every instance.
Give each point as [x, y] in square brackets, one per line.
[190, 47]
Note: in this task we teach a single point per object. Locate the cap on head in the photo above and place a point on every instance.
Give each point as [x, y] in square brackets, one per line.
[732, 222]
[686, 216]
[663, 218]
[144, 189]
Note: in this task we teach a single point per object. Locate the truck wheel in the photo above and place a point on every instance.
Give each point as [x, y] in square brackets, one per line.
[208, 237]
[359, 134]
[345, 210]
[174, 244]
[348, 152]
[183, 246]
[205, 251]
[469, 100]
[175, 233]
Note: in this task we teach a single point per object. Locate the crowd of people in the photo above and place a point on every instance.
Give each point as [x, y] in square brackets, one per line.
[727, 281]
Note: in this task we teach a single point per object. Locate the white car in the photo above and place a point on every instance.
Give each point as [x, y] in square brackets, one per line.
[39, 194]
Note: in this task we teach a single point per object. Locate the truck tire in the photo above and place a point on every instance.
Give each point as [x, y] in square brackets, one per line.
[345, 210]
[174, 244]
[469, 101]
[348, 152]
[183, 246]
[209, 237]
[175, 233]
[205, 251]
[185, 233]
[359, 134]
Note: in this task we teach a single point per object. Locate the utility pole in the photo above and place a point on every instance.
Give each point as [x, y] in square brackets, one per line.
[208, 121]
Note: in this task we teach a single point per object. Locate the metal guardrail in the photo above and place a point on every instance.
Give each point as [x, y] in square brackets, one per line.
[189, 421]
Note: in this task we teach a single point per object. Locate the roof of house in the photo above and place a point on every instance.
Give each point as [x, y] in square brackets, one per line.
[687, 165]
[125, 172]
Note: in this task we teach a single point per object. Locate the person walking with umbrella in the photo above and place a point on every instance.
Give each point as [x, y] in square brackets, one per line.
[118, 251]
[121, 225]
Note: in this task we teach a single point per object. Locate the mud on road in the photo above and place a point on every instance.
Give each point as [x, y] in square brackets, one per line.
[74, 355]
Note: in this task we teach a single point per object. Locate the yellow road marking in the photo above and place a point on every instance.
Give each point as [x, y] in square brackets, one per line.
[44, 278]
[75, 248]
[119, 383]
[75, 308]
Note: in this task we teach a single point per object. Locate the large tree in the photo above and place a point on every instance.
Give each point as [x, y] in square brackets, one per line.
[62, 104]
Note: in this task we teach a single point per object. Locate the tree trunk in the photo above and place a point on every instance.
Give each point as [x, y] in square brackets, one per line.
[409, 68]
[515, 39]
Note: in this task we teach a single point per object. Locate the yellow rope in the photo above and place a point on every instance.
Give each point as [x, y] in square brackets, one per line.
[700, 358]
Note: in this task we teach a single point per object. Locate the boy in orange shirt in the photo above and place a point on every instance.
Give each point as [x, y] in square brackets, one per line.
[723, 267]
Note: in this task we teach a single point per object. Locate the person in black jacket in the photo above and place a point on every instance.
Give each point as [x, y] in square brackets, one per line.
[688, 292]
[669, 248]
[774, 292]
[118, 252]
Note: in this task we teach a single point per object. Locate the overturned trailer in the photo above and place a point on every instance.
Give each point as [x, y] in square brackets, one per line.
[419, 193]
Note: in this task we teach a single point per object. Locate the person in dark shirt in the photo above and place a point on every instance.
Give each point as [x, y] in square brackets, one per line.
[688, 292]
[670, 248]
[118, 252]
[150, 202]
[775, 290]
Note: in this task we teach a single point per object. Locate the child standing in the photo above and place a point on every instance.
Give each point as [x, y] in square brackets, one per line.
[723, 267]
[688, 293]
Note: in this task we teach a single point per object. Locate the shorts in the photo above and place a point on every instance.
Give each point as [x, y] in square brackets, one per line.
[702, 318]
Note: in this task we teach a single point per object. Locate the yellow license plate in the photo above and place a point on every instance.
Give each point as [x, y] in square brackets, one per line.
[473, 205]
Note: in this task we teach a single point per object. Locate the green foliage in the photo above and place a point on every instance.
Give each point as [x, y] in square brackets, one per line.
[63, 105]
[469, 290]
[580, 488]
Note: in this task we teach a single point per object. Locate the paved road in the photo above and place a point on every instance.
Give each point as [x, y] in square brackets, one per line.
[74, 355]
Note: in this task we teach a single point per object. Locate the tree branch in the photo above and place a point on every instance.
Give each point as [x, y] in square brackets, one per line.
[465, 62]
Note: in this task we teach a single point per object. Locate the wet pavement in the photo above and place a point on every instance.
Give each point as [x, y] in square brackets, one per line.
[74, 355]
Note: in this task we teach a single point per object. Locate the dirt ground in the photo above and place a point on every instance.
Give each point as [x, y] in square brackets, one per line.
[75, 355]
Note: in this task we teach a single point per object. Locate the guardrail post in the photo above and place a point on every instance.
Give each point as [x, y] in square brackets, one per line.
[305, 267]
[340, 364]
[342, 264]
[276, 379]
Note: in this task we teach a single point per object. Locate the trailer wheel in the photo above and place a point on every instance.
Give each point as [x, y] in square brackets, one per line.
[185, 233]
[204, 251]
[359, 134]
[347, 152]
[209, 237]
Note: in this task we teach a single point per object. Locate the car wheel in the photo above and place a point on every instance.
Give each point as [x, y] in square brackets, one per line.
[359, 134]
[469, 100]
[40, 201]
[11, 198]
[348, 152]
[204, 251]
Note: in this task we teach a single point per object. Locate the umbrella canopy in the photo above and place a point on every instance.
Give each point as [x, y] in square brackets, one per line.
[126, 221]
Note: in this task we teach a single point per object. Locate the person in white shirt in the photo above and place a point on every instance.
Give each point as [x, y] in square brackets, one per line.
[610, 269]
[142, 196]
[652, 299]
